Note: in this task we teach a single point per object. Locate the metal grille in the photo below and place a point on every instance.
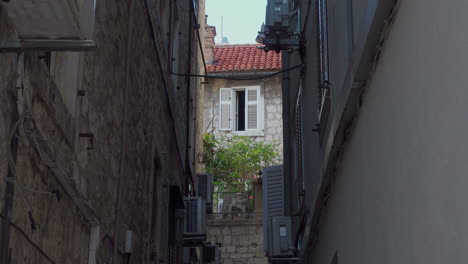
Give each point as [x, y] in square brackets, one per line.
[195, 219]
[191, 224]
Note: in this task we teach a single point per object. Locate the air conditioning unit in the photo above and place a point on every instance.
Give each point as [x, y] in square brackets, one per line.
[211, 254]
[276, 34]
[195, 217]
[277, 18]
[205, 188]
[280, 232]
[277, 239]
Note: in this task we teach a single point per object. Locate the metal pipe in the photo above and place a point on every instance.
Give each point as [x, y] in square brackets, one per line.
[188, 95]
[287, 144]
[10, 180]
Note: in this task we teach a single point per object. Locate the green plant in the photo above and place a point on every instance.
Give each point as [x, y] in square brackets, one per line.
[235, 161]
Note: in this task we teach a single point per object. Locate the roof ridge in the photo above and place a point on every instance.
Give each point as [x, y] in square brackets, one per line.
[237, 45]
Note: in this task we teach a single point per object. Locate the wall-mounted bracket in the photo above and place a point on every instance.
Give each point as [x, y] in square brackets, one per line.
[46, 45]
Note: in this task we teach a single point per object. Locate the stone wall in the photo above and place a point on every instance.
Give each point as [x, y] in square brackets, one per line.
[241, 240]
[271, 90]
[134, 113]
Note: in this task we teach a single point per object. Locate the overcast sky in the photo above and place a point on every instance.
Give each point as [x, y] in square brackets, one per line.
[242, 19]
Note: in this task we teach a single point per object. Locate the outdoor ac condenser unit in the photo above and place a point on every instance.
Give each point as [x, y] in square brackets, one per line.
[277, 15]
[277, 239]
[195, 217]
[276, 33]
[205, 188]
[281, 238]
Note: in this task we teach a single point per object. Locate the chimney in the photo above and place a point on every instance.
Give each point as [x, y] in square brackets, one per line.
[210, 34]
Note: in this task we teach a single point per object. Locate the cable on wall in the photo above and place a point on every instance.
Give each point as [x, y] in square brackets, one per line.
[240, 79]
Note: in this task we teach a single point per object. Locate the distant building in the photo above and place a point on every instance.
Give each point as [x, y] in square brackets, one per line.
[243, 107]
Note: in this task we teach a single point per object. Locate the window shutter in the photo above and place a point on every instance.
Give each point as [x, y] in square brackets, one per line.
[225, 109]
[253, 108]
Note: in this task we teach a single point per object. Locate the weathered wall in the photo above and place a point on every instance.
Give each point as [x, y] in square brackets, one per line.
[270, 89]
[399, 194]
[139, 134]
[200, 91]
[241, 240]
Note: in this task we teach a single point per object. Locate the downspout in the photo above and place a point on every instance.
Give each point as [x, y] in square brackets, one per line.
[124, 131]
[10, 180]
[286, 131]
[188, 80]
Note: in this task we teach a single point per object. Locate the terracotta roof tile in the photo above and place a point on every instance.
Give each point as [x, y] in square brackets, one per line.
[246, 57]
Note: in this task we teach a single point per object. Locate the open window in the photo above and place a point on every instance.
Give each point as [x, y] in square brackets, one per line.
[241, 109]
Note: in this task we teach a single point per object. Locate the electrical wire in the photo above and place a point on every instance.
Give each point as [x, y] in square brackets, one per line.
[240, 79]
[304, 25]
[27, 126]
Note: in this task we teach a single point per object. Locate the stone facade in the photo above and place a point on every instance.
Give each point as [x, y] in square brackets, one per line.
[120, 136]
[241, 240]
[272, 94]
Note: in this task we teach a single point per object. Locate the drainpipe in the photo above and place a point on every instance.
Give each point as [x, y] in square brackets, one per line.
[10, 180]
[188, 79]
[287, 144]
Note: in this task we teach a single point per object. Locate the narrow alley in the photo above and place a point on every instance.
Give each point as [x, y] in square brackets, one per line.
[233, 132]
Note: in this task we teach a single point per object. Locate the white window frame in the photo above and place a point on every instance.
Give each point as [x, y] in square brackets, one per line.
[260, 130]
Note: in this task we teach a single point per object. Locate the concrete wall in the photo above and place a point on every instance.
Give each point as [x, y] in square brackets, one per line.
[399, 193]
[270, 89]
[241, 240]
[139, 143]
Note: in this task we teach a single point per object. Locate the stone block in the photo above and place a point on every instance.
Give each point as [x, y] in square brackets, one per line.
[230, 249]
[246, 240]
[227, 240]
[259, 253]
[271, 109]
[226, 230]
[241, 249]
[252, 229]
[276, 123]
[236, 240]
[239, 230]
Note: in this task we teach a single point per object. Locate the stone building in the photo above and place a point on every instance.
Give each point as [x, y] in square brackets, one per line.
[97, 147]
[375, 161]
[251, 106]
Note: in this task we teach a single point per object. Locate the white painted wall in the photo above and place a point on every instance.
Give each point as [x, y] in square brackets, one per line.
[400, 195]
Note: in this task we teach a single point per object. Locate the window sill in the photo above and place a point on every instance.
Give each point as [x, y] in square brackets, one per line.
[248, 133]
